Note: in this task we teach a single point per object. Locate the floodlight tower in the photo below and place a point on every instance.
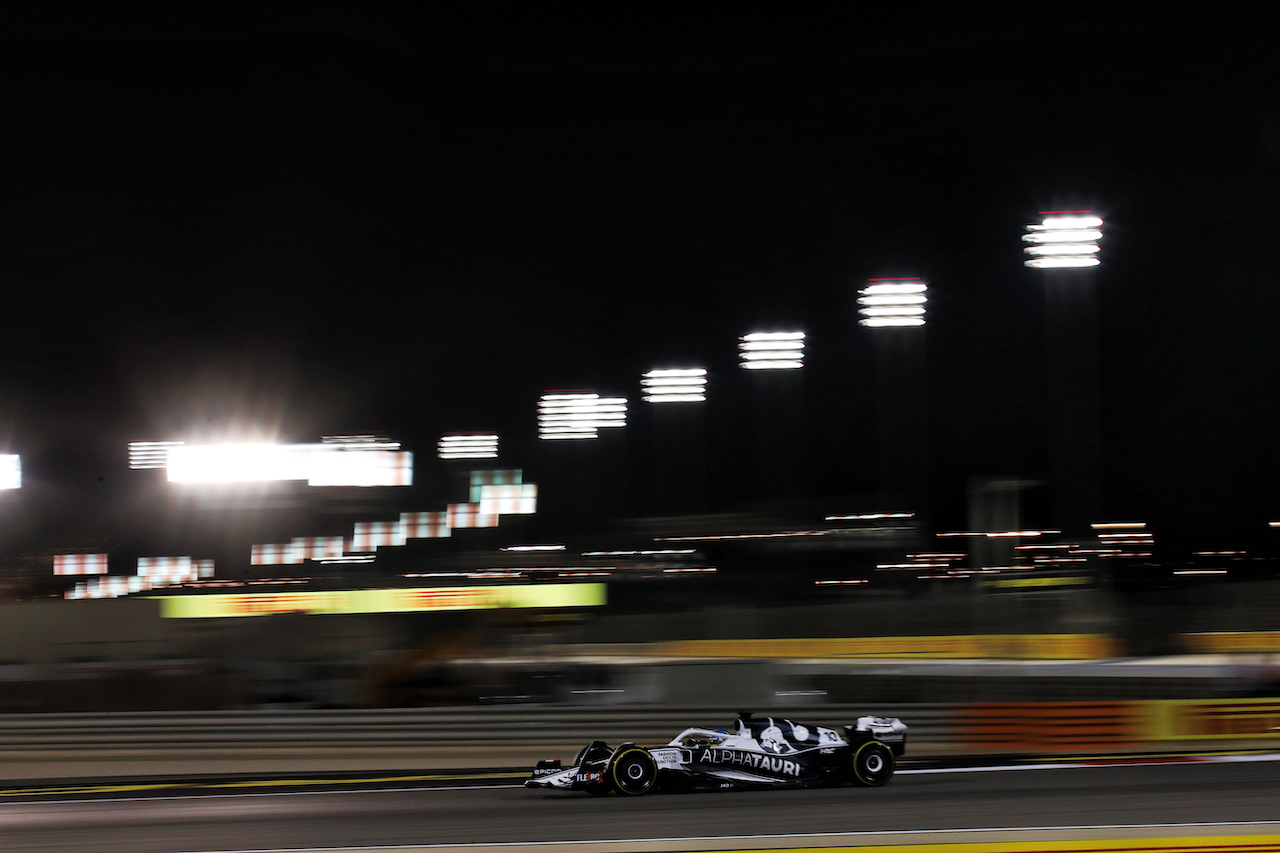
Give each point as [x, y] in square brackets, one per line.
[677, 395]
[895, 309]
[1064, 244]
[775, 360]
[590, 478]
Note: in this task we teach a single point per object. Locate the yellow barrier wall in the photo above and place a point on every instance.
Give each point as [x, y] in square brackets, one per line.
[1216, 719]
[215, 606]
[1232, 641]
[1010, 646]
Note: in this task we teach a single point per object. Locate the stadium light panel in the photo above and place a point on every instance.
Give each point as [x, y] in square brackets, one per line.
[771, 351]
[892, 302]
[579, 415]
[1063, 240]
[682, 385]
[150, 454]
[468, 445]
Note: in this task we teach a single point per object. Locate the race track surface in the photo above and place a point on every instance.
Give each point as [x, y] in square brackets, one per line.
[1197, 799]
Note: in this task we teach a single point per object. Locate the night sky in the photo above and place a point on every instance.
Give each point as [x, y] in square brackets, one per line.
[316, 218]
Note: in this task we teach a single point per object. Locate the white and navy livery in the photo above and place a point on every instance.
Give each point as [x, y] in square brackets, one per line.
[758, 752]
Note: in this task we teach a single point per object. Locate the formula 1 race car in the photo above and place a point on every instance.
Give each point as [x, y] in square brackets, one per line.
[758, 753]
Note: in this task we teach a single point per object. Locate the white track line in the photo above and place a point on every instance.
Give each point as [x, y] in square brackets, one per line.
[703, 839]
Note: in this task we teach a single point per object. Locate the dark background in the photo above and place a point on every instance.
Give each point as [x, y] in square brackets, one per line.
[291, 219]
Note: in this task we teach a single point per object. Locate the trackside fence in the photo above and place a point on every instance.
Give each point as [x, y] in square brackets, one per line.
[479, 727]
[933, 728]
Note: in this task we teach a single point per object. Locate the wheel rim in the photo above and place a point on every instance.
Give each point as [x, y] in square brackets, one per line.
[873, 764]
[634, 772]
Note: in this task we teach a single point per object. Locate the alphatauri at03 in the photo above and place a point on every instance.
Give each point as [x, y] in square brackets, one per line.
[766, 752]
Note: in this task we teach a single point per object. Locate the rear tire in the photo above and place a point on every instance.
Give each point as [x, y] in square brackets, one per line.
[872, 764]
[632, 771]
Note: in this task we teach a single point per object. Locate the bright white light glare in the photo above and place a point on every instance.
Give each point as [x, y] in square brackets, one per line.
[676, 398]
[228, 463]
[904, 287]
[150, 454]
[1063, 242]
[1064, 249]
[1069, 222]
[892, 303]
[771, 355]
[1047, 238]
[667, 373]
[10, 471]
[893, 299]
[674, 386]
[327, 464]
[892, 311]
[534, 548]
[79, 564]
[882, 322]
[579, 415]
[788, 346]
[468, 446]
[772, 365]
[1068, 262]
[384, 468]
[774, 336]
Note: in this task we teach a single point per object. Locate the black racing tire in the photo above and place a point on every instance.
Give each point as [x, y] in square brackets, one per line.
[632, 771]
[872, 764]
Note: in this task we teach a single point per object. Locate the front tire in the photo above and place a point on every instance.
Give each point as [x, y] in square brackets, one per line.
[872, 764]
[632, 771]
